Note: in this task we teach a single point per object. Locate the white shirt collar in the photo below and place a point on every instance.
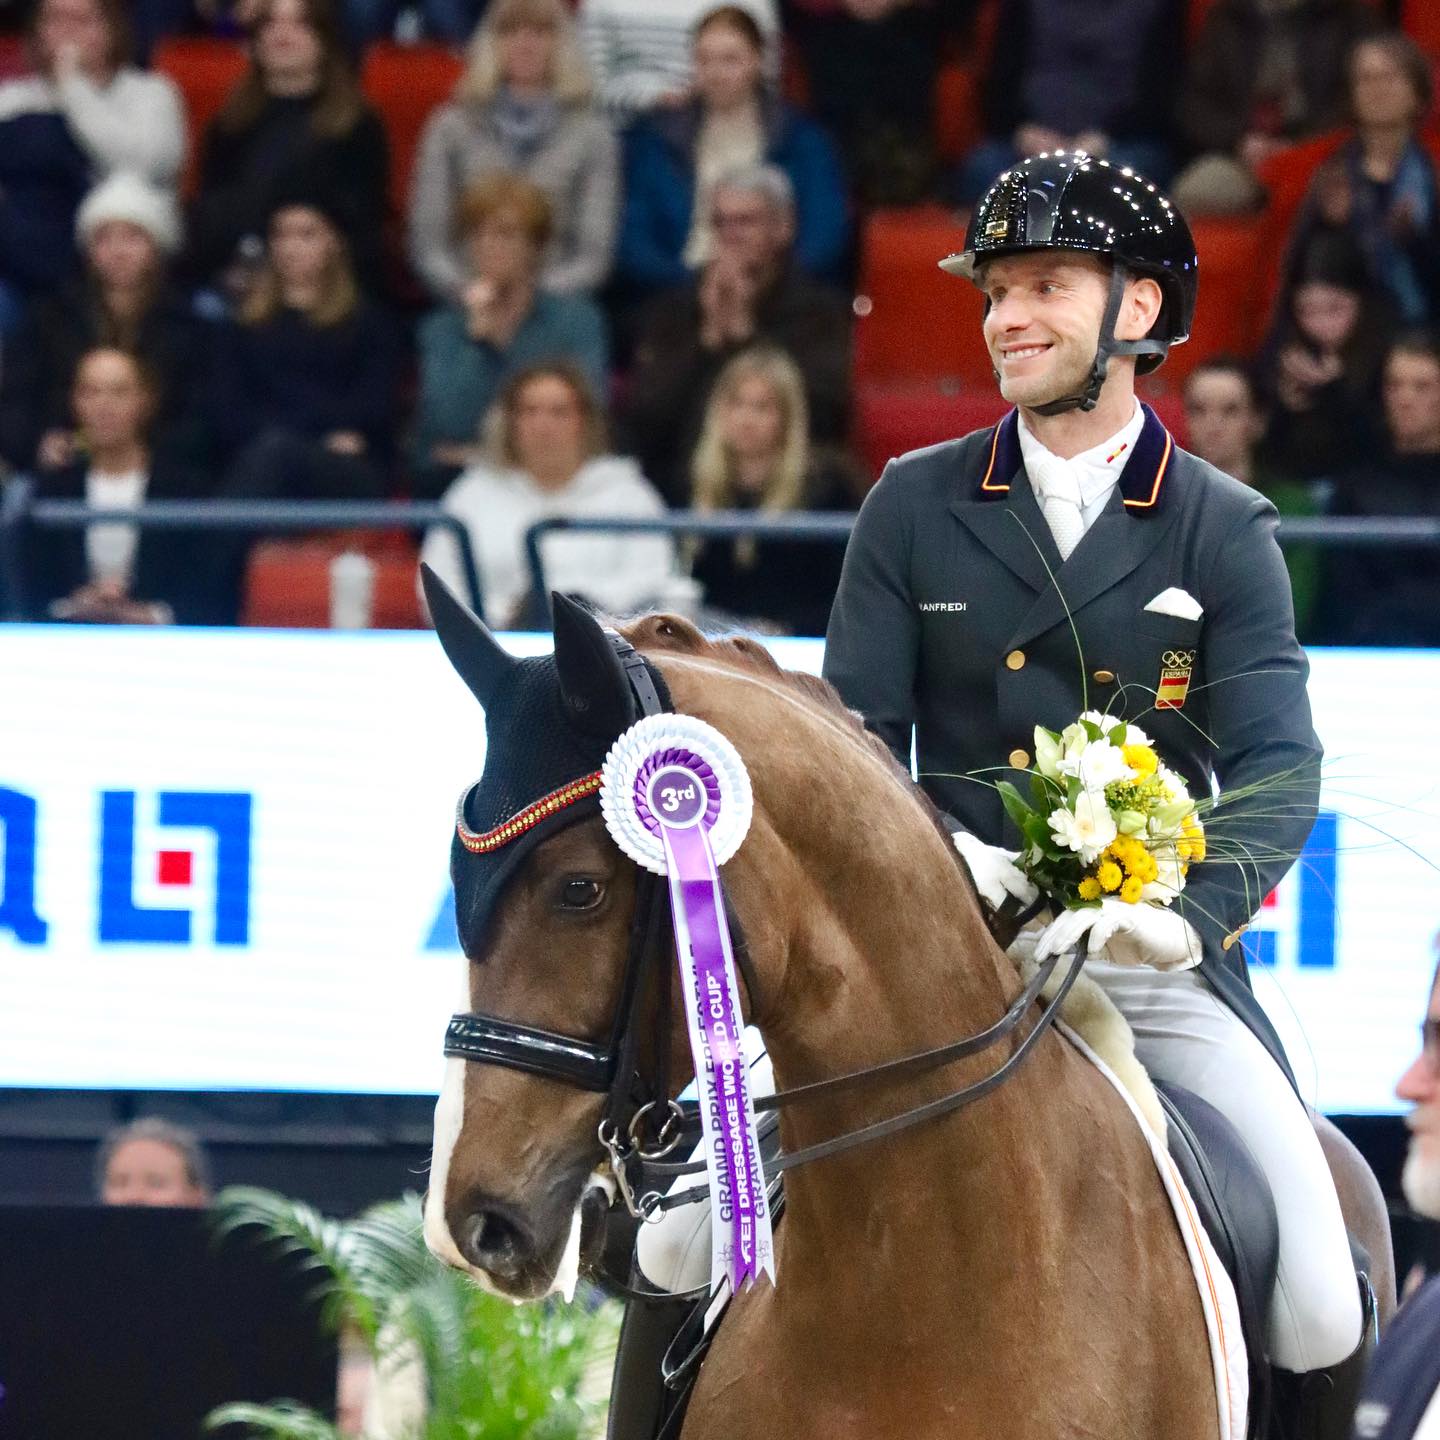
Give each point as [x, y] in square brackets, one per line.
[1097, 470]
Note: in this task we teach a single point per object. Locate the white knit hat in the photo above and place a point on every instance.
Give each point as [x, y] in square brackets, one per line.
[125, 196]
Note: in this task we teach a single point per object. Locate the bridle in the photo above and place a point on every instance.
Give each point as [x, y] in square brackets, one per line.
[640, 1123]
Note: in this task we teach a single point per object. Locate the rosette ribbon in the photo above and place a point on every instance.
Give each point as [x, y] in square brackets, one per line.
[676, 798]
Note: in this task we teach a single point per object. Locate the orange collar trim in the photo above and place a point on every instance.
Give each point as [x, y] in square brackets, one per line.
[1147, 502]
[526, 819]
[1140, 480]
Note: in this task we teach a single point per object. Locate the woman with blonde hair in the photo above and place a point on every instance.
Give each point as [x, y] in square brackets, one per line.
[754, 453]
[522, 107]
[547, 455]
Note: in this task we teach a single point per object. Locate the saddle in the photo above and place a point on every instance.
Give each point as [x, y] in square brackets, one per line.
[1237, 1210]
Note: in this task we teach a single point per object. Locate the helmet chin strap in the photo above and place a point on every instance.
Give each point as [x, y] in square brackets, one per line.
[1107, 346]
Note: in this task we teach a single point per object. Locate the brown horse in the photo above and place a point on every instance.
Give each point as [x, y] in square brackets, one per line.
[1011, 1270]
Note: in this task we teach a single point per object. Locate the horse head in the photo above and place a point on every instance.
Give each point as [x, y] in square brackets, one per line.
[546, 906]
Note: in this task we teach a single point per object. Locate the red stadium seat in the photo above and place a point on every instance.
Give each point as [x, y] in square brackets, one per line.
[891, 419]
[916, 322]
[1230, 315]
[206, 70]
[405, 83]
[287, 583]
[957, 111]
[1421, 20]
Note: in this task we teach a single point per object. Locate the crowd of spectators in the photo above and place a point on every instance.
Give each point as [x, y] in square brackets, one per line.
[622, 279]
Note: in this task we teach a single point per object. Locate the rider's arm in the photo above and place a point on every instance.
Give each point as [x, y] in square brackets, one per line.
[872, 644]
[1259, 718]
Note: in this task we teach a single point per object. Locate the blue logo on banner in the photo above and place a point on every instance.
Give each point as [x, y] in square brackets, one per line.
[226, 815]
[19, 818]
[1314, 876]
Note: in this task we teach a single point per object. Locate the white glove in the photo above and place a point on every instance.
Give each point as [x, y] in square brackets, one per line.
[1125, 935]
[993, 870]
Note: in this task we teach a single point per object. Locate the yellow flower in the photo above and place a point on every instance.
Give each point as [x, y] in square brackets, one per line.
[1141, 758]
[1145, 869]
[1109, 875]
[1089, 888]
[1130, 890]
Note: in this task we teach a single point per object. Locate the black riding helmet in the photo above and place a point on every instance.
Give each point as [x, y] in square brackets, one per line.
[1071, 201]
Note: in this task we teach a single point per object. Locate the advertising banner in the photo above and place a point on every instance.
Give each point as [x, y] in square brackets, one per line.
[223, 863]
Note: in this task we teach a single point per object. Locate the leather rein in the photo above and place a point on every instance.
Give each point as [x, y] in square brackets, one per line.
[641, 1124]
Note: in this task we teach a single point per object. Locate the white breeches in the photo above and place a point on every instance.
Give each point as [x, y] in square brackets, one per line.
[1186, 1034]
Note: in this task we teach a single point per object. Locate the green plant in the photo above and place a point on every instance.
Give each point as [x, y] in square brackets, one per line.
[493, 1370]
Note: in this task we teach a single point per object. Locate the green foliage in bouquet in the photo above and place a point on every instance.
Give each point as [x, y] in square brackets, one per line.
[493, 1370]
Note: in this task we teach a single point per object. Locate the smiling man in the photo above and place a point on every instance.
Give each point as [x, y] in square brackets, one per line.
[1075, 557]
[1402, 1394]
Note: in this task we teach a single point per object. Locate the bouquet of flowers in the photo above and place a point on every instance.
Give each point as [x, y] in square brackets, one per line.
[1105, 817]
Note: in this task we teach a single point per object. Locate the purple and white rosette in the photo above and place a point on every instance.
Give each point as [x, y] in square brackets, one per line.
[676, 798]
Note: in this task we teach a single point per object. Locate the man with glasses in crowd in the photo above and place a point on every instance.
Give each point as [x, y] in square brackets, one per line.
[1402, 1395]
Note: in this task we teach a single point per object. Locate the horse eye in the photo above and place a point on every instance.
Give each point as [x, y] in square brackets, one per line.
[581, 894]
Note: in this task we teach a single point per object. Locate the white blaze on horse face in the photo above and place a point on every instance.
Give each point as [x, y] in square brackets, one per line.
[449, 1118]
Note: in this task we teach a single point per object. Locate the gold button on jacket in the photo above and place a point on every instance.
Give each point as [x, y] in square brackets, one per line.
[1015, 659]
[1104, 677]
[1020, 759]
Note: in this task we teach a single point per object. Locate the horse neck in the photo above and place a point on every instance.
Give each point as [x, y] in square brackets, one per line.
[888, 955]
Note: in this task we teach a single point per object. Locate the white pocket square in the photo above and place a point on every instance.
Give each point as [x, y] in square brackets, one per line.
[1177, 602]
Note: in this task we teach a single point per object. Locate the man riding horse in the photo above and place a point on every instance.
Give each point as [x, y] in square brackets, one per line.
[1074, 552]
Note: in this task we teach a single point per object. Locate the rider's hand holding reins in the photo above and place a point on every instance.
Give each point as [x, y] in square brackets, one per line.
[1125, 935]
[993, 870]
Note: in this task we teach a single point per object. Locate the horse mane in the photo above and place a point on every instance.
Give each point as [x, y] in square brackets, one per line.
[673, 635]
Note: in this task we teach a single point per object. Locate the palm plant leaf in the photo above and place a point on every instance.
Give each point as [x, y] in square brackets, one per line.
[494, 1370]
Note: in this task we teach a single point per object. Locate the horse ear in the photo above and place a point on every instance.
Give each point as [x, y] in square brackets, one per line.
[476, 655]
[593, 686]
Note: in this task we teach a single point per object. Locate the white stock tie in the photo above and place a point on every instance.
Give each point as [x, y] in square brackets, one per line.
[1058, 491]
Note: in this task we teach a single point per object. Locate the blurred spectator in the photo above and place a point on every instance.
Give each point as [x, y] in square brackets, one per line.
[117, 573]
[303, 388]
[1399, 1401]
[1321, 365]
[152, 1162]
[1391, 596]
[640, 50]
[524, 107]
[1381, 186]
[1263, 74]
[547, 456]
[1225, 419]
[749, 290]
[1062, 76]
[128, 232]
[755, 454]
[122, 118]
[501, 324]
[448, 22]
[298, 110]
[674, 157]
[871, 66]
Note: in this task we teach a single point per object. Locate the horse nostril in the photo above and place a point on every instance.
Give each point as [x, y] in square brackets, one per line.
[494, 1242]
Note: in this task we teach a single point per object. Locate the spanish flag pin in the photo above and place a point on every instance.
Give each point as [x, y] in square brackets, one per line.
[1175, 668]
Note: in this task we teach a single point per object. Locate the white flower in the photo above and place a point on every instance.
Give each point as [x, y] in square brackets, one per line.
[1102, 764]
[1134, 735]
[1047, 753]
[1088, 829]
[1168, 883]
